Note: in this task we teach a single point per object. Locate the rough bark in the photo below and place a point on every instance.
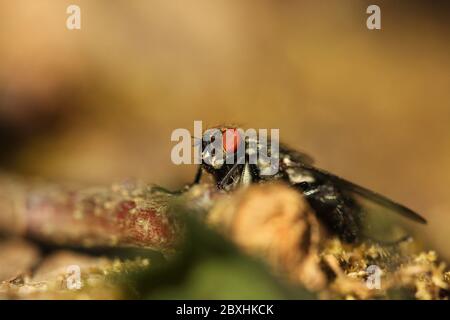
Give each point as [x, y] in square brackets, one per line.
[124, 214]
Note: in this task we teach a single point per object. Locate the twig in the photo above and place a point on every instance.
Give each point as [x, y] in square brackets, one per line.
[125, 214]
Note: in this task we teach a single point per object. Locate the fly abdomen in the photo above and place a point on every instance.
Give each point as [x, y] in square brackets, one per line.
[339, 213]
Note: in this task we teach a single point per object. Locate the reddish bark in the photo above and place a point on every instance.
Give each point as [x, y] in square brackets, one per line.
[126, 214]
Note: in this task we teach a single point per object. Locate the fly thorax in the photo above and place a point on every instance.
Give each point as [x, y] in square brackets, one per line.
[298, 176]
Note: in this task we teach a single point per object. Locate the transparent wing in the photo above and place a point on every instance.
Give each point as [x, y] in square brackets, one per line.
[367, 195]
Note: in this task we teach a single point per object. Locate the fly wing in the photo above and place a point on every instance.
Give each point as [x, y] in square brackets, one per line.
[367, 195]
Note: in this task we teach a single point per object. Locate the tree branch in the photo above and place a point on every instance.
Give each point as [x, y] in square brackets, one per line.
[125, 214]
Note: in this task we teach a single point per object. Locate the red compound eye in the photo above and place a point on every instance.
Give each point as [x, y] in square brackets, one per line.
[230, 139]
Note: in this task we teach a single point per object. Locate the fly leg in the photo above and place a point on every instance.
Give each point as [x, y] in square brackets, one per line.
[222, 183]
[198, 175]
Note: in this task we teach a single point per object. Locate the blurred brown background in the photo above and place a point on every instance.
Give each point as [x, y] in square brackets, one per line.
[99, 104]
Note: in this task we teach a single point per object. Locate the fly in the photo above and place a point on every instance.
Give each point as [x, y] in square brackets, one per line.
[339, 204]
